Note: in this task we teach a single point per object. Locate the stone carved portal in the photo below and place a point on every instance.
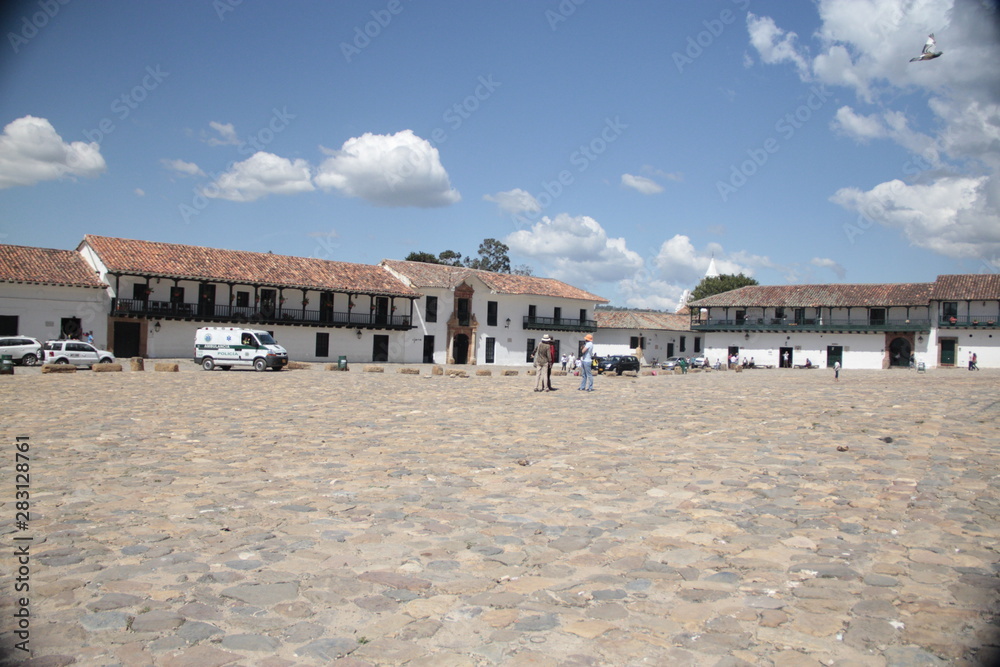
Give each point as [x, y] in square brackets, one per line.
[462, 327]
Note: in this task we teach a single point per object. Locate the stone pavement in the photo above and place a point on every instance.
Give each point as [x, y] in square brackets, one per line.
[307, 517]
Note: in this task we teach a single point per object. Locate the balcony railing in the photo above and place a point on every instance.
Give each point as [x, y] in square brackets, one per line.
[260, 314]
[558, 324]
[810, 324]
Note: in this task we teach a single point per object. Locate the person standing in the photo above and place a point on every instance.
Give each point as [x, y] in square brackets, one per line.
[552, 362]
[586, 359]
[543, 363]
[564, 359]
[836, 371]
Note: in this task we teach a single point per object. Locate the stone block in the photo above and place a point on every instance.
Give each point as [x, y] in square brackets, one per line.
[136, 364]
[166, 367]
[437, 370]
[58, 368]
[409, 371]
[107, 368]
[298, 366]
[334, 367]
[484, 372]
[509, 372]
[374, 369]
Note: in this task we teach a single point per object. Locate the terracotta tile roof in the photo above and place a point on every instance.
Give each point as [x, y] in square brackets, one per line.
[422, 274]
[967, 287]
[805, 296]
[46, 266]
[150, 258]
[641, 319]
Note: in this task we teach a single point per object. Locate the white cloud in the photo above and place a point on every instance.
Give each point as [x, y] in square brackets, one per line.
[515, 202]
[139, 192]
[774, 44]
[641, 292]
[182, 167]
[646, 186]
[32, 151]
[826, 263]
[955, 216]
[388, 170]
[952, 205]
[679, 263]
[576, 250]
[260, 175]
[225, 135]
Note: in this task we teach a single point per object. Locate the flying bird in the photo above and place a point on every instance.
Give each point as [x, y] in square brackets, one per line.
[928, 53]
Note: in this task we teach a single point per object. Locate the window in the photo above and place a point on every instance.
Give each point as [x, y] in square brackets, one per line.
[491, 313]
[176, 295]
[491, 344]
[531, 313]
[464, 312]
[741, 316]
[697, 344]
[557, 314]
[583, 315]
[779, 313]
[876, 316]
[530, 350]
[8, 325]
[949, 309]
[637, 341]
[323, 344]
[243, 299]
[800, 315]
[139, 291]
[431, 309]
[683, 343]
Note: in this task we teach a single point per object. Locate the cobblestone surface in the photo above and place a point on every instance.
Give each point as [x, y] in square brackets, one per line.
[308, 517]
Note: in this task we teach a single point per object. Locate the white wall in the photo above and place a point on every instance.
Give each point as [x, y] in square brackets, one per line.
[40, 309]
[860, 350]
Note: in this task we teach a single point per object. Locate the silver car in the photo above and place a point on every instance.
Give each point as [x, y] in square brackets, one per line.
[75, 352]
[22, 349]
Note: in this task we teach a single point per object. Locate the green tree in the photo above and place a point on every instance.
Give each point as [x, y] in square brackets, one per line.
[492, 257]
[710, 285]
[424, 257]
[450, 257]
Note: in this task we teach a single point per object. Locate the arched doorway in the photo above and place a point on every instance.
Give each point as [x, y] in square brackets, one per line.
[899, 352]
[460, 348]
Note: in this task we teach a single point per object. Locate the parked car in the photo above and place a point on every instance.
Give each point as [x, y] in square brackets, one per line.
[604, 363]
[74, 352]
[671, 363]
[698, 362]
[619, 364]
[22, 349]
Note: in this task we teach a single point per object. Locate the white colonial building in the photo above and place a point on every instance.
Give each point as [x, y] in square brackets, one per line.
[861, 326]
[480, 317]
[145, 298]
[650, 335]
[49, 294]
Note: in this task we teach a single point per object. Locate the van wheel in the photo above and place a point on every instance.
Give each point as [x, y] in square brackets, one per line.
[62, 361]
[259, 365]
[29, 360]
[208, 363]
[106, 360]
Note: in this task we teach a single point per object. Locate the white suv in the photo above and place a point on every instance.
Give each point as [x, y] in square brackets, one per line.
[22, 349]
[74, 352]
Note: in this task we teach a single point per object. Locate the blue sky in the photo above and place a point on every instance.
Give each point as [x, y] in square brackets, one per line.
[616, 146]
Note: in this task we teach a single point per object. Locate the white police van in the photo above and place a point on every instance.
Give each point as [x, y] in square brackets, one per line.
[227, 347]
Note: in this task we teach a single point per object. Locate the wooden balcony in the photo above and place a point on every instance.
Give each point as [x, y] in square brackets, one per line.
[765, 324]
[258, 315]
[558, 324]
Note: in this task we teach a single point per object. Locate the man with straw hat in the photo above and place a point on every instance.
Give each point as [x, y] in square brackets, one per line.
[543, 361]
